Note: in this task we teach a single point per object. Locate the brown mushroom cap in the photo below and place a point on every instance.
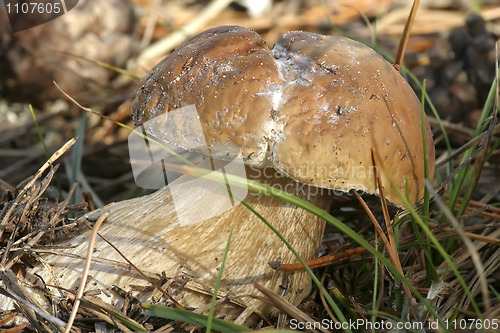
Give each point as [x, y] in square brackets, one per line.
[315, 107]
[223, 71]
[342, 101]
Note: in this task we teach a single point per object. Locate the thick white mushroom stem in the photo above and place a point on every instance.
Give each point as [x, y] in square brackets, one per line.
[146, 230]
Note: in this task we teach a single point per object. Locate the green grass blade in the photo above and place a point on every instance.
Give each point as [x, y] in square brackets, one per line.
[45, 149]
[76, 158]
[410, 326]
[436, 243]
[430, 269]
[375, 284]
[426, 160]
[468, 173]
[482, 124]
[40, 135]
[192, 318]
[495, 292]
[493, 148]
[128, 322]
[118, 70]
[217, 284]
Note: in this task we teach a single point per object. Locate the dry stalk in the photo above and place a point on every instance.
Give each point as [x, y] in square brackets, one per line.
[85, 272]
[163, 46]
[285, 306]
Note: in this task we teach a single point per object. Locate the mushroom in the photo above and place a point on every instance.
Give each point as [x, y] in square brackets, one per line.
[313, 108]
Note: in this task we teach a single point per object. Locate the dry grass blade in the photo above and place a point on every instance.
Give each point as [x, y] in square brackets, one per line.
[13, 329]
[325, 303]
[476, 208]
[30, 183]
[478, 204]
[7, 319]
[478, 246]
[54, 220]
[446, 232]
[471, 143]
[51, 161]
[112, 263]
[27, 202]
[363, 287]
[100, 63]
[285, 306]
[406, 35]
[76, 103]
[85, 271]
[390, 241]
[150, 25]
[29, 307]
[373, 219]
[103, 311]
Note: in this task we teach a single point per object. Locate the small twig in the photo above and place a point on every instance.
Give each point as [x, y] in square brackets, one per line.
[85, 272]
[318, 262]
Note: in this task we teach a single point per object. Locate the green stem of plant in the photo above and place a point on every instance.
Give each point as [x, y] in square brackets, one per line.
[217, 283]
[45, 149]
